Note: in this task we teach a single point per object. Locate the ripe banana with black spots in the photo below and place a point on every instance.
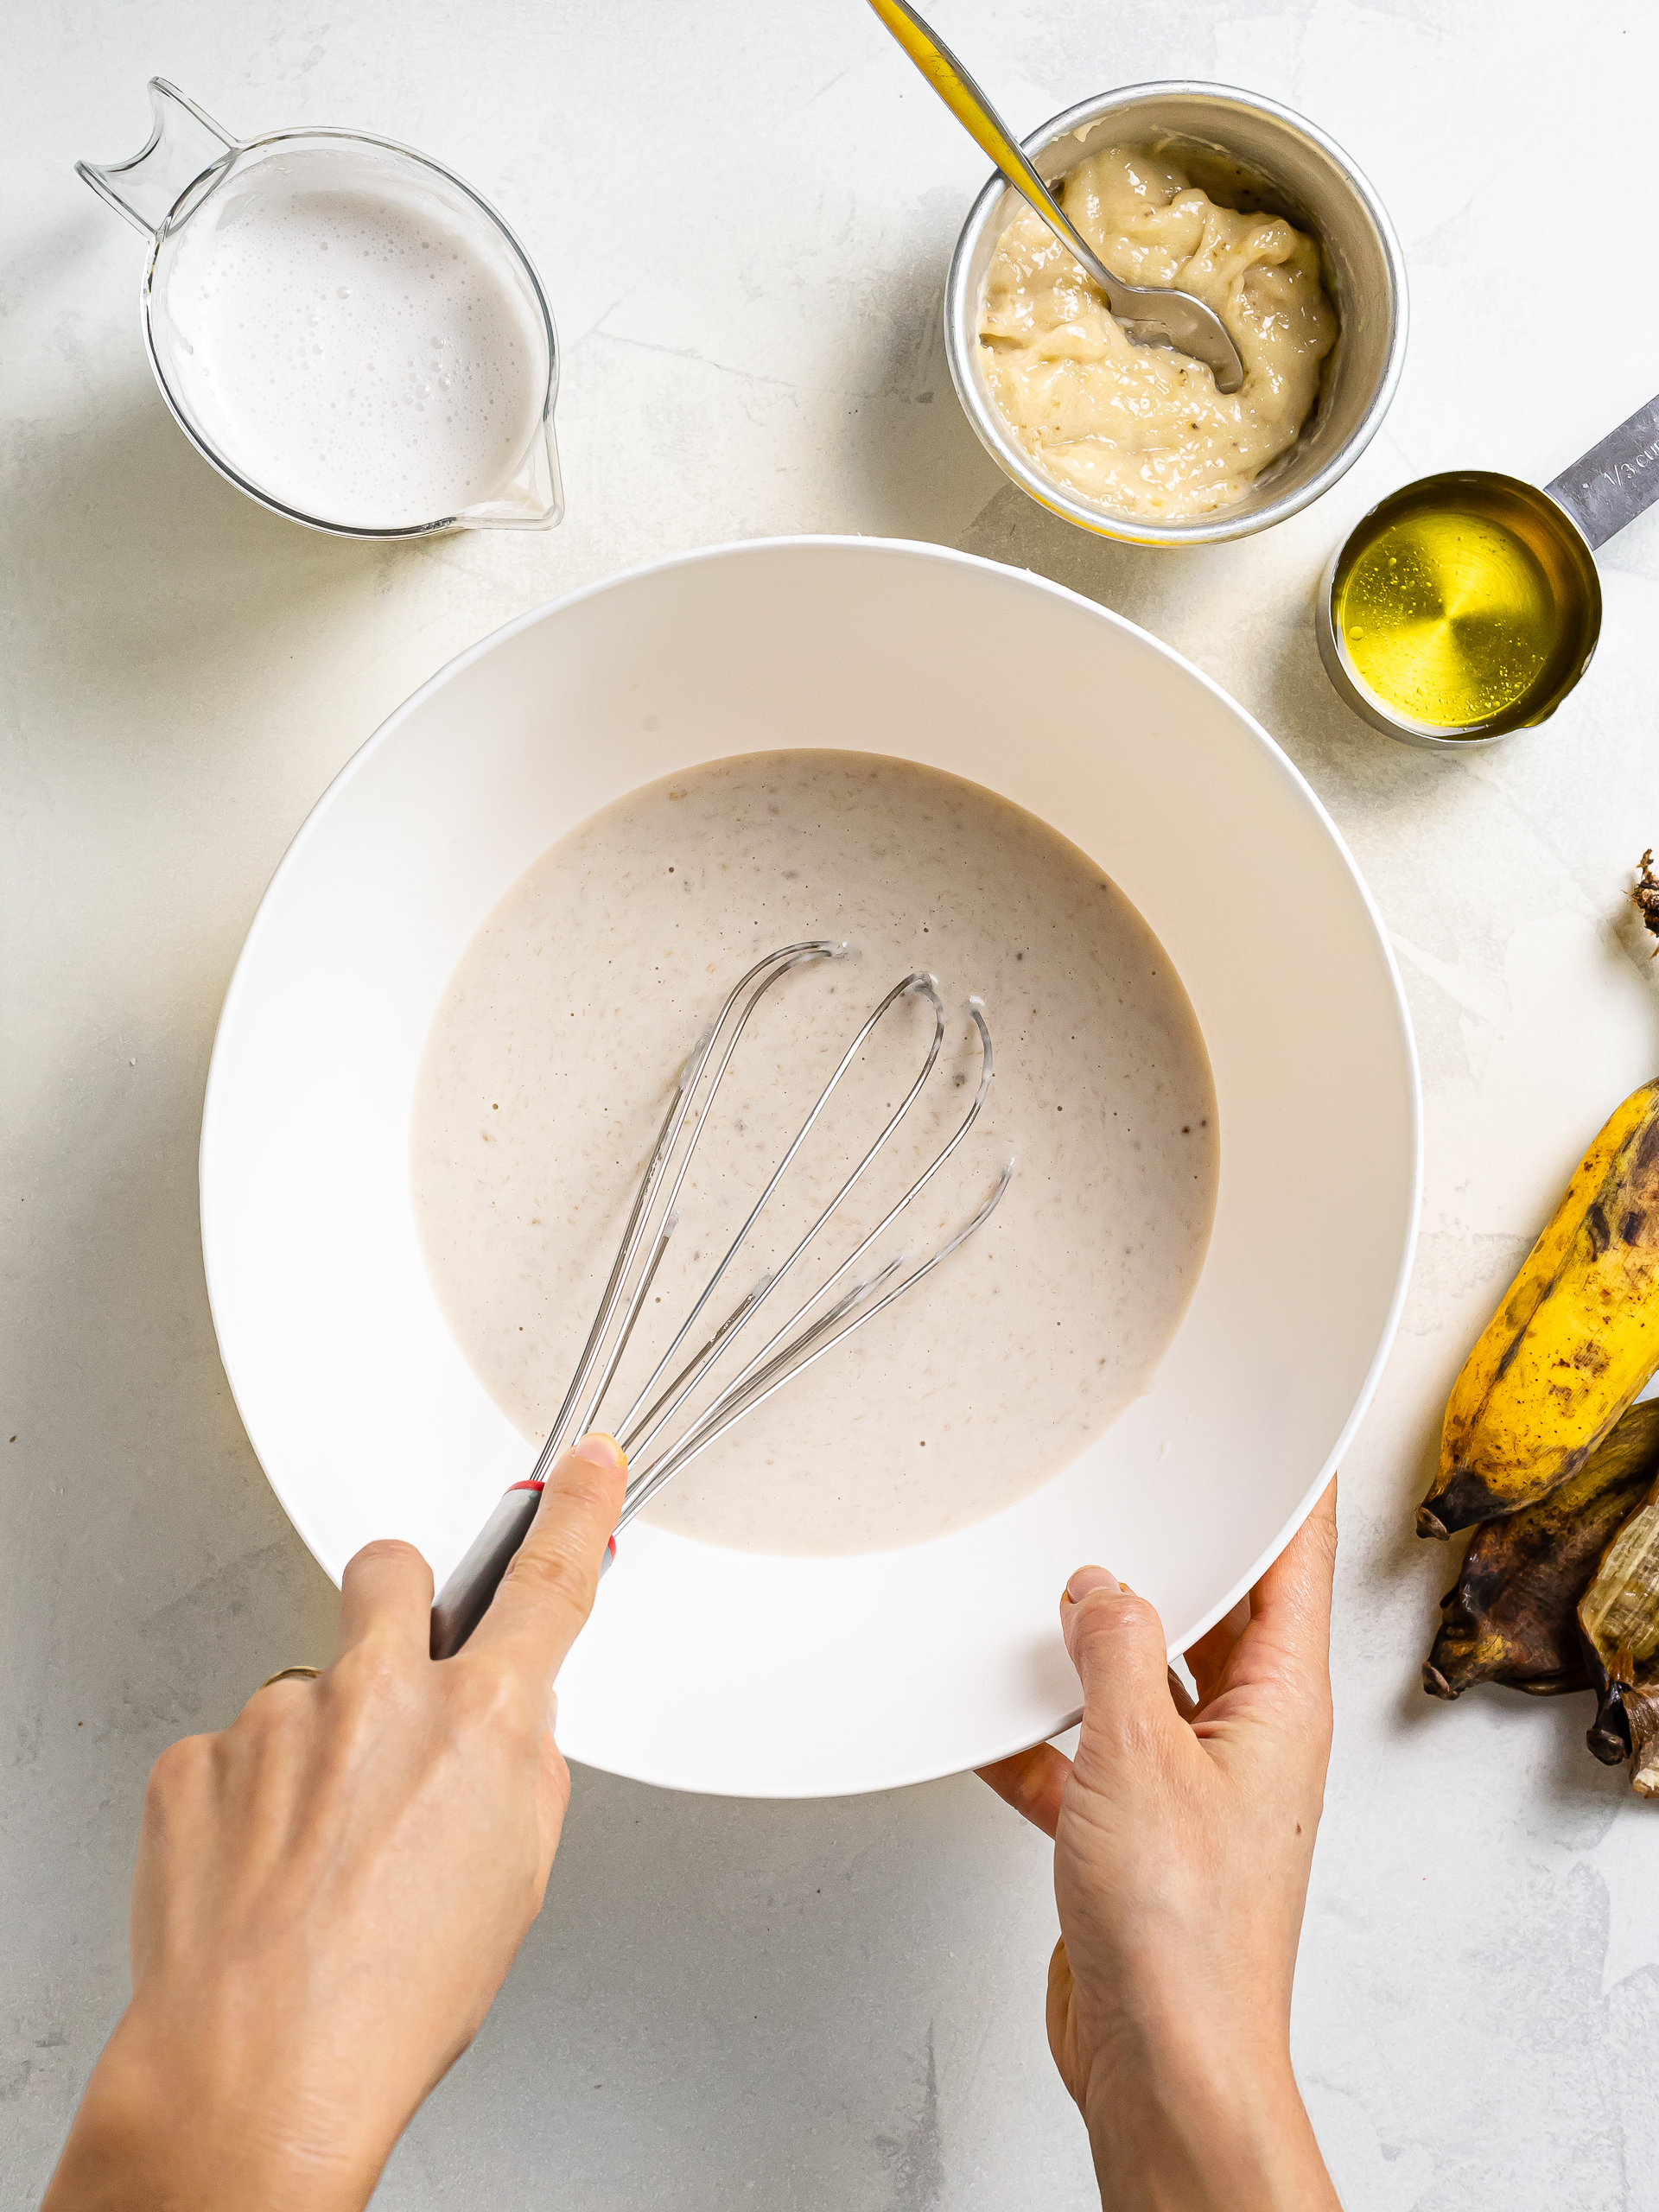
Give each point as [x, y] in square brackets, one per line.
[1576, 1339]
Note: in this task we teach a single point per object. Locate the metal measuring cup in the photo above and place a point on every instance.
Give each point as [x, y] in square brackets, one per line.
[1561, 526]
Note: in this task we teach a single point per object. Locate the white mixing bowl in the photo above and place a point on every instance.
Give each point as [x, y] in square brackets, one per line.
[717, 1670]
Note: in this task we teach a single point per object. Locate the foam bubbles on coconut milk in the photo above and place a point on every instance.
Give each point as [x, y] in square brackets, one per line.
[355, 348]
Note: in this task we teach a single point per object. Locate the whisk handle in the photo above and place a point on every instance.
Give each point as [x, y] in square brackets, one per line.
[464, 1598]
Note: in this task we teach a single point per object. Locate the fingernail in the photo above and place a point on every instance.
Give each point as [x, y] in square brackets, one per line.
[1087, 1579]
[602, 1449]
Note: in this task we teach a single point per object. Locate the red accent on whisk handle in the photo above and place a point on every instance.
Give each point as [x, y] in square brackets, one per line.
[464, 1598]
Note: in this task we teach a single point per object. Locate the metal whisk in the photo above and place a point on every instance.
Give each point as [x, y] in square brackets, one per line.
[663, 1430]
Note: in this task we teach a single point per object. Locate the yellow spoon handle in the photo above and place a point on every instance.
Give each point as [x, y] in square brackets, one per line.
[960, 94]
[1185, 322]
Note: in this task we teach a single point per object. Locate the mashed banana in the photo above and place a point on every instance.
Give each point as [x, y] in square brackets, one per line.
[1141, 429]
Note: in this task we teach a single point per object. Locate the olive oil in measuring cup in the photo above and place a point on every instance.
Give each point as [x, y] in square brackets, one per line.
[1462, 607]
[1448, 617]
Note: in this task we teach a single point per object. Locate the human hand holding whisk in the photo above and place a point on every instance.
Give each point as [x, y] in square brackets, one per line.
[328, 1893]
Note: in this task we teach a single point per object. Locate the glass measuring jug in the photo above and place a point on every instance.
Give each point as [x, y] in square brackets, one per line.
[344, 328]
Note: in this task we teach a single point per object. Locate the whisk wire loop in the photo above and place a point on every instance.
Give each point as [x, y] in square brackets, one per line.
[668, 1404]
[912, 983]
[811, 1332]
[773, 969]
[642, 1438]
[806, 1335]
[703, 1433]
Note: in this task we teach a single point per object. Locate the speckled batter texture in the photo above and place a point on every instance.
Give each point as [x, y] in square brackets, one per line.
[553, 1055]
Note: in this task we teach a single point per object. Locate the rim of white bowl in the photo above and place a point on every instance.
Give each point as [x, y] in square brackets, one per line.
[949, 555]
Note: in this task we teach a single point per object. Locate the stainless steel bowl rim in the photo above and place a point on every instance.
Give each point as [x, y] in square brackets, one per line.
[961, 333]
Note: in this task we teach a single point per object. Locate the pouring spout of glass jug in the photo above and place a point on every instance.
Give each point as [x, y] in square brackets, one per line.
[184, 152]
[533, 497]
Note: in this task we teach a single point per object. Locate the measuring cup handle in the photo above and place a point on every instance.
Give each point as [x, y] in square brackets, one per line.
[183, 146]
[1615, 480]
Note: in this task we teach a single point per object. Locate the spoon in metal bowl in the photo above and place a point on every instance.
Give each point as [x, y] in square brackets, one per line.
[1157, 312]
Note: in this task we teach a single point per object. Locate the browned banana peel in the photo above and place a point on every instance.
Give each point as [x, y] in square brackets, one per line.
[1618, 1616]
[1512, 1614]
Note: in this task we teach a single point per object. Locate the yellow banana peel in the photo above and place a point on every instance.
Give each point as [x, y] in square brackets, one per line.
[1574, 1342]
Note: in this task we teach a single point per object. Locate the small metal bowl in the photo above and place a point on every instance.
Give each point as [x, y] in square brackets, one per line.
[1249, 153]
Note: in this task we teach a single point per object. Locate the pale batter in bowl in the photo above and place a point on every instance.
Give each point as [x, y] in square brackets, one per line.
[1143, 430]
[551, 1057]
